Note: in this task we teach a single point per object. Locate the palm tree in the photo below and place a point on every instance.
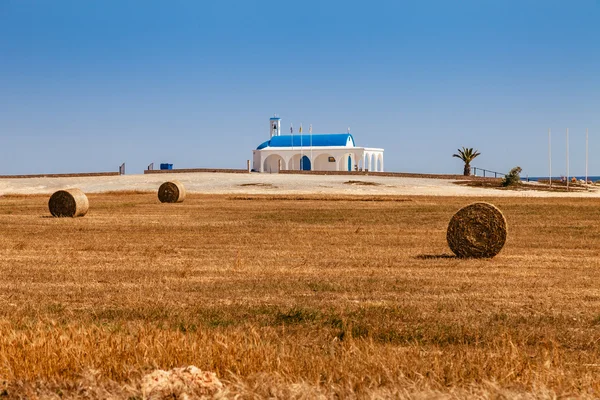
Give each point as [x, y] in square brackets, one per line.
[467, 155]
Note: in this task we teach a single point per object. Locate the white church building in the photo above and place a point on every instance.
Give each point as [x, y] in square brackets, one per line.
[314, 152]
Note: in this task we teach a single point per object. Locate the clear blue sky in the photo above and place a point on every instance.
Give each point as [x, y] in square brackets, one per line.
[86, 85]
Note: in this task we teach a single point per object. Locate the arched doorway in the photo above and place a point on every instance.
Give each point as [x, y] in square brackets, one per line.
[347, 162]
[300, 162]
[373, 163]
[273, 162]
[305, 164]
[380, 163]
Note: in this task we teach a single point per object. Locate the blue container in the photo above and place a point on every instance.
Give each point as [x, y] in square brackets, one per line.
[166, 166]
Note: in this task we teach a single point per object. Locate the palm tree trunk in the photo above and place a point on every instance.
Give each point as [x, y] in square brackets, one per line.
[467, 170]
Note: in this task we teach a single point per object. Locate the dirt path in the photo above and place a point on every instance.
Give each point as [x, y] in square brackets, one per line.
[223, 183]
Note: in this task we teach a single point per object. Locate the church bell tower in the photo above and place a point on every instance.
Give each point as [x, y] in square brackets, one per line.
[275, 123]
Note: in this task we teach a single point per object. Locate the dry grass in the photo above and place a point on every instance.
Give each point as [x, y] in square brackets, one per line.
[298, 298]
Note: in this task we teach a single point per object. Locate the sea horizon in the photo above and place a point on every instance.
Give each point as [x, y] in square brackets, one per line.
[592, 178]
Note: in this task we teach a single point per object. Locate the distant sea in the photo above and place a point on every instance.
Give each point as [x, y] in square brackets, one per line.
[557, 178]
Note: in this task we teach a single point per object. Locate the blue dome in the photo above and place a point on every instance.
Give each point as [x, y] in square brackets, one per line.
[323, 140]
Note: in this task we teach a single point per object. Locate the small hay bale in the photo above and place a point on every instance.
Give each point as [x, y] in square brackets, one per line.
[477, 231]
[69, 203]
[171, 192]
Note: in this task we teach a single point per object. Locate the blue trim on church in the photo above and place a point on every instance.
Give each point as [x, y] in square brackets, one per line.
[321, 140]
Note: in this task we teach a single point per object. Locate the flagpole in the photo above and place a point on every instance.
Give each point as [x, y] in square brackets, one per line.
[586, 157]
[301, 151]
[292, 133]
[567, 159]
[311, 153]
[550, 156]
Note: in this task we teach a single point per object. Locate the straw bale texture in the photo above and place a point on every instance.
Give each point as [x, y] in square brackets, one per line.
[68, 203]
[180, 383]
[477, 231]
[171, 192]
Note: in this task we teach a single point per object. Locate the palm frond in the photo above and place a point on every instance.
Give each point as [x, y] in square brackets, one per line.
[466, 154]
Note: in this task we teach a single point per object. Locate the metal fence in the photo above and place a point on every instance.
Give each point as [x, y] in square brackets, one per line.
[487, 173]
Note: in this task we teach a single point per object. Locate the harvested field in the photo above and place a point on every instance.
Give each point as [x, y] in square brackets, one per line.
[298, 296]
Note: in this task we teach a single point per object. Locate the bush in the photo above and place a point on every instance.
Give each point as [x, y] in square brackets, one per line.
[513, 177]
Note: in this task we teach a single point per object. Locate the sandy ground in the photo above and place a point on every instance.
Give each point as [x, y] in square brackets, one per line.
[224, 183]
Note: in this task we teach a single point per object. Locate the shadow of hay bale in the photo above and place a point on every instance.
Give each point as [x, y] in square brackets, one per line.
[436, 257]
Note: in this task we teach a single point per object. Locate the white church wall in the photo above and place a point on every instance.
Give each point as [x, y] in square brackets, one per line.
[267, 160]
[256, 160]
[294, 162]
[318, 158]
[272, 163]
[323, 163]
[380, 162]
[343, 162]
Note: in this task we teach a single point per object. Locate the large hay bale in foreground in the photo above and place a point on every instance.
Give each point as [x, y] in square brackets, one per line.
[171, 192]
[68, 203]
[477, 231]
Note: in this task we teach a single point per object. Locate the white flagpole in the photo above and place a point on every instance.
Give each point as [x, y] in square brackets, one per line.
[292, 133]
[301, 151]
[567, 159]
[586, 156]
[550, 156]
[311, 154]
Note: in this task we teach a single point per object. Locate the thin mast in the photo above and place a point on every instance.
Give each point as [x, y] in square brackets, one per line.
[567, 159]
[586, 156]
[301, 151]
[550, 156]
[311, 149]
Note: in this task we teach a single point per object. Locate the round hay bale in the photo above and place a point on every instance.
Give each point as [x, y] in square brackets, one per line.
[69, 203]
[477, 231]
[171, 192]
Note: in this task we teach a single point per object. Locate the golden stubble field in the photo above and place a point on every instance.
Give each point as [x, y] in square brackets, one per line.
[302, 297]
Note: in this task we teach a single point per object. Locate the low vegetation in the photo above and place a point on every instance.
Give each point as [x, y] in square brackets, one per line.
[362, 183]
[298, 297]
[512, 178]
